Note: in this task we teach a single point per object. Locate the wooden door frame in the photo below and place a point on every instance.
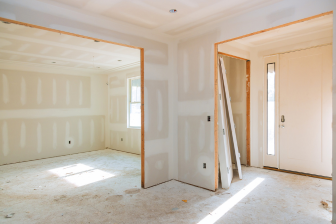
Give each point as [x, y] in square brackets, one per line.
[142, 63]
[216, 78]
[247, 83]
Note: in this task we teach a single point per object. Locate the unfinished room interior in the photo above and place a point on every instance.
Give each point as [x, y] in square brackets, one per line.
[173, 111]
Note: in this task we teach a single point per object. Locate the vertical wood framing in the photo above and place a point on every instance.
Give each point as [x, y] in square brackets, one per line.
[142, 64]
[248, 131]
[216, 114]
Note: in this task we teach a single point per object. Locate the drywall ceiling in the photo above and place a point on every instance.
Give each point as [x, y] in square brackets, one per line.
[154, 14]
[22, 44]
[324, 23]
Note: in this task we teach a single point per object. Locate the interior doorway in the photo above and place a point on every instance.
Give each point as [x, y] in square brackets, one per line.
[273, 93]
[58, 86]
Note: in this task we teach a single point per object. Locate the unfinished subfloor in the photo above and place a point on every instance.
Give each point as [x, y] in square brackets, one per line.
[104, 187]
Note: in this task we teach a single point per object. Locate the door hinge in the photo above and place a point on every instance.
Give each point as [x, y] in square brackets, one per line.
[223, 132]
[228, 170]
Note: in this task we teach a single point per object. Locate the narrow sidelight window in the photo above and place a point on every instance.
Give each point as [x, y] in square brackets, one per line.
[270, 108]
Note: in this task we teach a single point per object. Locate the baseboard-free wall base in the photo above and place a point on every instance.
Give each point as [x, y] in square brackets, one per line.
[297, 173]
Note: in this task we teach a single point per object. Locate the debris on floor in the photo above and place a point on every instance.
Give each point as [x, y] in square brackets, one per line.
[10, 215]
[324, 204]
[175, 209]
[184, 201]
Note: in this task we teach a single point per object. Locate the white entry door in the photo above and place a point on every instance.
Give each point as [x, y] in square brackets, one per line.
[305, 111]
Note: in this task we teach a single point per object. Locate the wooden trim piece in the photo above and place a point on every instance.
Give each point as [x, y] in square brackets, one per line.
[232, 56]
[63, 32]
[248, 111]
[297, 173]
[277, 27]
[142, 64]
[216, 114]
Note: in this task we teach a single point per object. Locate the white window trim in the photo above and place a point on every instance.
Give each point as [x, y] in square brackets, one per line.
[129, 102]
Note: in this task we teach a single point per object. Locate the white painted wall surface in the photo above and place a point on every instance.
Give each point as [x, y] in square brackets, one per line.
[117, 119]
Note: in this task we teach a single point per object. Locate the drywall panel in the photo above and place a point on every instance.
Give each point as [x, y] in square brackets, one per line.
[190, 68]
[121, 137]
[236, 78]
[160, 70]
[25, 139]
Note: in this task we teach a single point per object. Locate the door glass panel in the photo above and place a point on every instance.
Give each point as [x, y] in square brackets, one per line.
[270, 108]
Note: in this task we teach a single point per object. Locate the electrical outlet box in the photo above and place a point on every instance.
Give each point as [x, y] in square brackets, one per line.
[204, 165]
[209, 118]
[122, 139]
[69, 142]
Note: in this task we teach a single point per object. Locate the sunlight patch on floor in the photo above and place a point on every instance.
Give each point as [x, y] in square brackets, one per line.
[80, 174]
[226, 206]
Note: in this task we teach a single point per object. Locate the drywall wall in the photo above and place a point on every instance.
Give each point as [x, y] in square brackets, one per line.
[196, 84]
[117, 119]
[47, 111]
[160, 74]
[236, 78]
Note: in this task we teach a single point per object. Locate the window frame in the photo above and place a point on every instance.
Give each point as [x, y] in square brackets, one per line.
[129, 102]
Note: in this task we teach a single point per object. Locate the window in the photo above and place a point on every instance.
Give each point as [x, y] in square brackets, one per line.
[270, 108]
[134, 102]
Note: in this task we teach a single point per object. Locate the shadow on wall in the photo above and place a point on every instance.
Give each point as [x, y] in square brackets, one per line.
[30, 139]
[156, 168]
[34, 90]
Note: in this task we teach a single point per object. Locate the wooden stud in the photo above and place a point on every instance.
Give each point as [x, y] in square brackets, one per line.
[297, 173]
[142, 64]
[248, 111]
[216, 115]
[63, 32]
[232, 56]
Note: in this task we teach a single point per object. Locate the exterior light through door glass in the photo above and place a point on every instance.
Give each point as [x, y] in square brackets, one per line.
[270, 108]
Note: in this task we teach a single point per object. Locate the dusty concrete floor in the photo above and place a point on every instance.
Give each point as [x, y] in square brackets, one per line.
[36, 195]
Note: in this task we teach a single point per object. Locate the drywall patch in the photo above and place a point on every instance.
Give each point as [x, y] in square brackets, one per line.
[92, 129]
[118, 112]
[39, 91]
[80, 132]
[54, 92]
[23, 135]
[5, 89]
[201, 75]
[80, 93]
[23, 91]
[54, 135]
[185, 71]
[102, 131]
[5, 144]
[39, 137]
[156, 108]
[67, 96]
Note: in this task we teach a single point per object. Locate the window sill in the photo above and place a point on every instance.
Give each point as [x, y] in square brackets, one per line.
[134, 128]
